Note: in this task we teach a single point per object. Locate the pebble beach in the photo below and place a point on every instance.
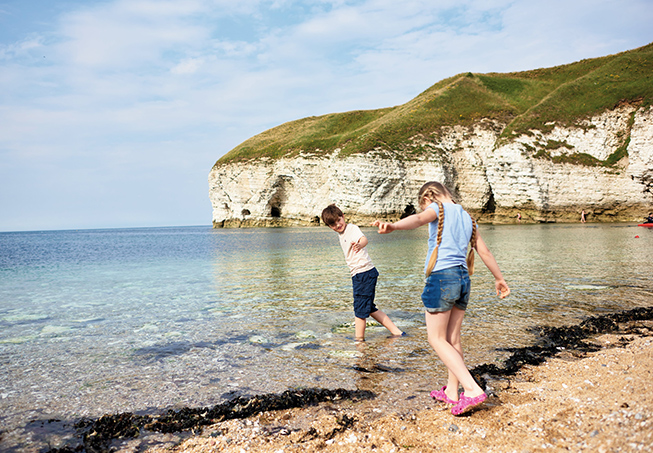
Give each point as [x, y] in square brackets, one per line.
[599, 401]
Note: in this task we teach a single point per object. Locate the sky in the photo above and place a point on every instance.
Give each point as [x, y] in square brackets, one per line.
[113, 112]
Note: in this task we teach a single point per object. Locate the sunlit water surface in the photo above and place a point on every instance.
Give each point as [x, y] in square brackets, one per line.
[141, 320]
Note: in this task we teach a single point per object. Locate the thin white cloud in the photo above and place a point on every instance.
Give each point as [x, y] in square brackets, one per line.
[123, 37]
[188, 66]
[21, 49]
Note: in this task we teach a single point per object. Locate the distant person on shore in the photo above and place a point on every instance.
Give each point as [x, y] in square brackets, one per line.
[582, 216]
[519, 217]
[363, 272]
[447, 288]
[649, 219]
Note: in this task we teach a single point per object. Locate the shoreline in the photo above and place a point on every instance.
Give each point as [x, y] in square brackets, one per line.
[571, 402]
[481, 219]
[349, 421]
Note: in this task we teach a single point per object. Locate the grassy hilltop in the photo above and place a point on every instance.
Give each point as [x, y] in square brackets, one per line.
[522, 101]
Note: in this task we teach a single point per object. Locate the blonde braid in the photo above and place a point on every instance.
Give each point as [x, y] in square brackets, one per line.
[472, 243]
[434, 255]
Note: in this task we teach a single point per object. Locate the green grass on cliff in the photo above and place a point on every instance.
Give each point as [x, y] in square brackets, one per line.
[564, 95]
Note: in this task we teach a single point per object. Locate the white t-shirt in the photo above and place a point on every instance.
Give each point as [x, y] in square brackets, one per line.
[357, 261]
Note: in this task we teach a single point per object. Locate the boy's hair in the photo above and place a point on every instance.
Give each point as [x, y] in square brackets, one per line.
[331, 214]
[432, 191]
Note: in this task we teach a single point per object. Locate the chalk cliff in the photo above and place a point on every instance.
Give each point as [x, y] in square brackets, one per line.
[537, 174]
[544, 144]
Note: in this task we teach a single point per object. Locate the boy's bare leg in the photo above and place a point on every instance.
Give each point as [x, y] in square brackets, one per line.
[359, 327]
[386, 322]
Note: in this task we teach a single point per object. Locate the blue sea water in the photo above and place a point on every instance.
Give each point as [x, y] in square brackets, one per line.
[145, 319]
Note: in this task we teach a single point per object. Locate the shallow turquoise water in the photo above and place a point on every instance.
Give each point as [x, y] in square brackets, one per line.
[103, 321]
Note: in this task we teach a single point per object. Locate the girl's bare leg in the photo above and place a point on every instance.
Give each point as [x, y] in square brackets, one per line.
[439, 334]
[453, 337]
[386, 322]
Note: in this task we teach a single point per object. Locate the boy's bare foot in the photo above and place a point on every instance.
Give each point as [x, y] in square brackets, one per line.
[399, 335]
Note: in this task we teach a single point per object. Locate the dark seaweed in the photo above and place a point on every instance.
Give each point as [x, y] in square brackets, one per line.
[554, 339]
[97, 435]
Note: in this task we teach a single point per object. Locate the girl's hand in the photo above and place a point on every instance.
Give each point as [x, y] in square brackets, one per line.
[384, 227]
[407, 223]
[502, 289]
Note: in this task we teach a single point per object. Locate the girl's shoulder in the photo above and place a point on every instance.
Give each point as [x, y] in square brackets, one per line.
[433, 206]
[456, 212]
[448, 207]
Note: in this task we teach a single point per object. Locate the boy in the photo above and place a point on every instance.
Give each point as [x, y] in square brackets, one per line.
[363, 272]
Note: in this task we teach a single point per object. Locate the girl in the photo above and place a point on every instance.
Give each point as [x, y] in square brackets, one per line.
[447, 287]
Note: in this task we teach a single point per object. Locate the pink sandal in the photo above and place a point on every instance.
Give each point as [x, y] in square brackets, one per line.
[466, 404]
[441, 396]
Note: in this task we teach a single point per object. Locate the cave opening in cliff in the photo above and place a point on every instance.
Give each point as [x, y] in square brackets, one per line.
[278, 196]
[408, 211]
[490, 206]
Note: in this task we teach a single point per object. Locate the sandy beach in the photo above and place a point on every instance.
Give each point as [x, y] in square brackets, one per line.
[599, 401]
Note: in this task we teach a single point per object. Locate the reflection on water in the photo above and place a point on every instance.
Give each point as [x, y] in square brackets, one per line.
[104, 321]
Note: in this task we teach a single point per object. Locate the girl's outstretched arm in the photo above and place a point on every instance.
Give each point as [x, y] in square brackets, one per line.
[491, 263]
[408, 223]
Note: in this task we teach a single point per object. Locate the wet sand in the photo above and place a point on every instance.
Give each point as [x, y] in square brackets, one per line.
[597, 398]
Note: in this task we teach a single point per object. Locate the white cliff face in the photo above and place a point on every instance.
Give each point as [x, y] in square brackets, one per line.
[492, 179]
[622, 191]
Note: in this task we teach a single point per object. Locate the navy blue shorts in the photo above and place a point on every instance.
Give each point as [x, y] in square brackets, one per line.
[446, 289]
[364, 287]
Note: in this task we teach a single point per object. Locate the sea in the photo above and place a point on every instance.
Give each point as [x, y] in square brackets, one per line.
[144, 320]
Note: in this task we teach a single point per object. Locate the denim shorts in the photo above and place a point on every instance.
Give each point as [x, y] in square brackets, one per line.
[364, 285]
[446, 289]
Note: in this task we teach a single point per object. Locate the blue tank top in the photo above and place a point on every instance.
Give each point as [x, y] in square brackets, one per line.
[455, 237]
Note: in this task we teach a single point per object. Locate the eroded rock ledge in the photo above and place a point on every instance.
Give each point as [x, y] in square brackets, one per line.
[546, 176]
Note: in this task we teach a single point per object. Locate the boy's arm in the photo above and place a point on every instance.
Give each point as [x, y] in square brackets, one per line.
[491, 263]
[358, 246]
